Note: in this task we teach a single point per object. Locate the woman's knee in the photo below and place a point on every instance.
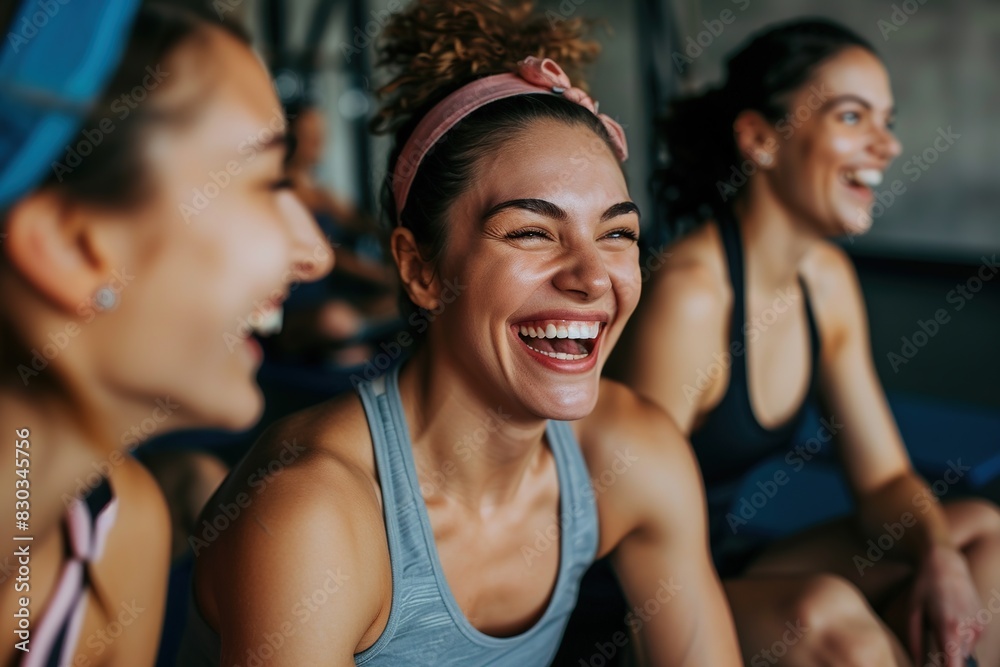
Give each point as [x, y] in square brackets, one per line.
[837, 625]
[972, 520]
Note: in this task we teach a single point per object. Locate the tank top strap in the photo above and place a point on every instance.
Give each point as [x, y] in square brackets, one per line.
[419, 586]
[87, 524]
[815, 340]
[733, 245]
[578, 500]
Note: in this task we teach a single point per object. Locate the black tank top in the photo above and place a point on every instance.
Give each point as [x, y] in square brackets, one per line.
[731, 441]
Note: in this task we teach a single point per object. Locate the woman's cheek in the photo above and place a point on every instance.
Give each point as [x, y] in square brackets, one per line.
[843, 145]
[627, 280]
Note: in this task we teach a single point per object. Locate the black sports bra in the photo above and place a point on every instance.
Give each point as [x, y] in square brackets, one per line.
[731, 441]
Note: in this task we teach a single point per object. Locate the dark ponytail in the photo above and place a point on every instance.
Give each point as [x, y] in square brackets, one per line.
[702, 176]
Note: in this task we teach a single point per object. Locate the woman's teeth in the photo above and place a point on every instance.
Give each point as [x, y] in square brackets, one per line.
[867, 177]
[266, 323]
[552, 332]
[585, 330]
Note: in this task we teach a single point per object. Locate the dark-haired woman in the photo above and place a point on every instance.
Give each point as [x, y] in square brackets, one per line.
[446, 514]
[755, 307]
[144, 217]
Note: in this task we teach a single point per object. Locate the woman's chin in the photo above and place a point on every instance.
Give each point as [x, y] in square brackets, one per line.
[856, 224]
[242, 410]
[569, 408]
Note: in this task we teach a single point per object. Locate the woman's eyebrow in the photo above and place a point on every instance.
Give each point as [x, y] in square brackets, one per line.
[621, 208]
[550, 210]
[848, 97]
[539, 206]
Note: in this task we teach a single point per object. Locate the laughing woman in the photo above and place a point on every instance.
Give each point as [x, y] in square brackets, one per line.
[806, 110]
[445, 514]
[115, 308]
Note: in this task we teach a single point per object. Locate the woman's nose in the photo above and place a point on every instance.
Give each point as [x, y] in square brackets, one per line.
[312, 256]
[888, 145]
[583, 271]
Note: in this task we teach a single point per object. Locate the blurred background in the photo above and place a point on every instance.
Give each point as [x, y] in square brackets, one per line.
[932, 248]
[942, 58]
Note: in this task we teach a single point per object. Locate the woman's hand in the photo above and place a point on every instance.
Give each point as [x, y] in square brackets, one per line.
[944, 605]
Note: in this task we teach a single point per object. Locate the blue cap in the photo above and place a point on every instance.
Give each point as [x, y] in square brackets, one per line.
[55, 61]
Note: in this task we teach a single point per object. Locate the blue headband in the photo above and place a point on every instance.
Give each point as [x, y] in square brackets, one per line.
[55, 61]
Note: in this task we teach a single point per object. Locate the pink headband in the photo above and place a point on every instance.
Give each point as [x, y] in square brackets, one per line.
[533, 76]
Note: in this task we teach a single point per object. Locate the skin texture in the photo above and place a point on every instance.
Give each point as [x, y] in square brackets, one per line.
[943, 567]
[186, 286]
[491, 504]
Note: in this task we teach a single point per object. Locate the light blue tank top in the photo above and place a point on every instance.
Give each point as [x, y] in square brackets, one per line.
[426, 625]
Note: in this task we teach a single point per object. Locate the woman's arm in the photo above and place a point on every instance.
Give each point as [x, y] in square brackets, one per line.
[299, 573]
[132, 573]
[680, 325]
[655, 512]
[892, 499]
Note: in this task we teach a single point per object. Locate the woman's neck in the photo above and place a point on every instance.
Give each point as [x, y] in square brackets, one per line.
[467, 449]
[65, 462]
[774, 239]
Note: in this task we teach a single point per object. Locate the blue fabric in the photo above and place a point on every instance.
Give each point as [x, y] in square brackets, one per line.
[426, 625]
[57, 57]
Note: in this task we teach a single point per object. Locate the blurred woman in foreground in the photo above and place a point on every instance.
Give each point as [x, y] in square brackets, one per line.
[147, 230]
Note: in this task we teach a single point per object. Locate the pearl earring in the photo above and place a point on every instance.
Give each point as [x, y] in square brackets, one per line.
[764, 159]
[105, 299]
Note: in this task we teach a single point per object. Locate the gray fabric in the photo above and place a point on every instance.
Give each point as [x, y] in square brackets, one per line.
[426, 626]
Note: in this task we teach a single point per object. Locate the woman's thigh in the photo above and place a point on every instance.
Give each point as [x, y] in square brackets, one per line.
[809, 619]
[838, 547]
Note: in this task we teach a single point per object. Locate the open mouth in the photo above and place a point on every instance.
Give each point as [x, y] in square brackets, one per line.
[565, 340]
[861, 180]
[267, 320]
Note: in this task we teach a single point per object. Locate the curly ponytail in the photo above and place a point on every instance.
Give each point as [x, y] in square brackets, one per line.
[435, 48]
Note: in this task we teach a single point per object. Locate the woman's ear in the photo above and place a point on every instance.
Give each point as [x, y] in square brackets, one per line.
[755, 138]
[52, 246]
[417, 275]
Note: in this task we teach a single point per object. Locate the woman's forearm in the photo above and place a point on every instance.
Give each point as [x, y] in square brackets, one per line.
[903, 520]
